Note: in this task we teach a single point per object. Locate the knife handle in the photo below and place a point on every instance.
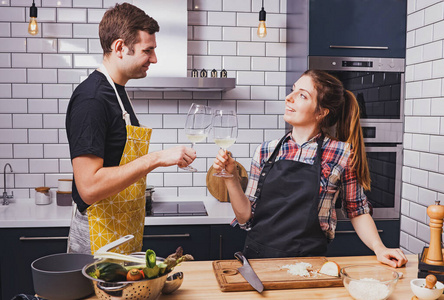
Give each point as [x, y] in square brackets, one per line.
[240, 257]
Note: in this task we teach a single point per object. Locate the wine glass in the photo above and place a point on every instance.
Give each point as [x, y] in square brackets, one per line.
[224, 133]
[197, 126]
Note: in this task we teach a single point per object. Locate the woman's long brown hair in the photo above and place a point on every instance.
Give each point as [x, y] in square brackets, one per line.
[343, 114]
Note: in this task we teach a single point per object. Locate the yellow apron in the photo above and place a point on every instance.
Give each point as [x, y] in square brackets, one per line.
[124, 213]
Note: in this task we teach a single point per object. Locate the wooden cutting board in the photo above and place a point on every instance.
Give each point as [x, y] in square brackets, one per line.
[272, 275]
[216, 185]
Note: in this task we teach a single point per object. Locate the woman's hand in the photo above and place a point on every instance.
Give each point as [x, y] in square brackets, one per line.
[224, 160]
[394, 257]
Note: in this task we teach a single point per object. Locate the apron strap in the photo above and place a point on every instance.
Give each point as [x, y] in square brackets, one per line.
[125, 114]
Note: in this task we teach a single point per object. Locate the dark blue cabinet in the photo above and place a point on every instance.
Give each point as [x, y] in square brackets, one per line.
[359, 28]
[347, 242]
[225, 241]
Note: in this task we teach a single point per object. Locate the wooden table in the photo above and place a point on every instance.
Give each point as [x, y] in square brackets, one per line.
[200, 283]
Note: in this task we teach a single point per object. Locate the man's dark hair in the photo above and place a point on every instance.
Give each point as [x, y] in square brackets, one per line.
[124, 21]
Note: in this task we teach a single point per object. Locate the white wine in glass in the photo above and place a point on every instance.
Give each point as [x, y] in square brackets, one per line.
[197, 126]
[224, 132]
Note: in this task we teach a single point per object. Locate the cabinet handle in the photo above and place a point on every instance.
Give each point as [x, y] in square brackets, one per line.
[42, 238]
[352, 231]
[360, 47]
[154, 236]
[220, 246]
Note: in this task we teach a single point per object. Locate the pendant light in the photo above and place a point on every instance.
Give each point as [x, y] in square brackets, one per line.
[262, 29]
[33, 27]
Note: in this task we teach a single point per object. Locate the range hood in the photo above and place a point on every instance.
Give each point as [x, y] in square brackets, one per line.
[185, 84]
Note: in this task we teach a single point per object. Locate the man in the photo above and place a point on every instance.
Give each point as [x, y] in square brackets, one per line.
[109, 151]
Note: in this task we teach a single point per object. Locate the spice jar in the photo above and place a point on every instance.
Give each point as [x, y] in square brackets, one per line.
[42, 195]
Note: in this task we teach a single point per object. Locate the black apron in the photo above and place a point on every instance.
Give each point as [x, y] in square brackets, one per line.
[286, 222]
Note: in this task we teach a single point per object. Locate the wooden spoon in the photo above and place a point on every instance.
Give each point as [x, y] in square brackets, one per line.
[430, 281]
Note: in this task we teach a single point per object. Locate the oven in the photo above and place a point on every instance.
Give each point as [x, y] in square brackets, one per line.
[378, 84]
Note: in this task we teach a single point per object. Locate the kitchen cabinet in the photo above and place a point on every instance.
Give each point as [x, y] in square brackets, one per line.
[19, 248]
[225, 241]
[164, 240]
[347, 242]
[337, 27]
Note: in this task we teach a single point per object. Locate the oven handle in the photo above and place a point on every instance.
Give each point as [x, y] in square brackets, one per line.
[359, 47]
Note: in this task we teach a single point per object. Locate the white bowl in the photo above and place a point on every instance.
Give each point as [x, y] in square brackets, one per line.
[423, 293]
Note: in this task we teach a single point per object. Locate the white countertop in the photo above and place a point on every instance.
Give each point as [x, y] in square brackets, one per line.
[25, 213]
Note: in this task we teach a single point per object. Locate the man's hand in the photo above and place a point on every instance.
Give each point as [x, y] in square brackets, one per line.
[181, 156]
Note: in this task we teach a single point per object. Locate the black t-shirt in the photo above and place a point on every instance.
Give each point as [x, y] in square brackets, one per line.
[94, 123]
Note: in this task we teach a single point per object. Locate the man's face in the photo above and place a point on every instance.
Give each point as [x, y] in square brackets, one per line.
[135, 64]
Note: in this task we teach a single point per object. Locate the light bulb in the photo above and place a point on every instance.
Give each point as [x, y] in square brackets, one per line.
[33, 27]
[262, 29]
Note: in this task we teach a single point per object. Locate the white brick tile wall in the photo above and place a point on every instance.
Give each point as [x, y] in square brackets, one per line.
[53, 121]
[54, 30]
[236, 6]
[251, 49]
[13, 106]
[12, 14]
[13, 44]
[265, 92]
[87, 3]
[435, 182]
[87, 60]
[5, 29]
[418, 212]
[6, 121]
[236, 34]
[408, 225]
[41, 45]
[26, 90]
[86, 31]
[273, 35]
[410, 192]
[27, 121]
[423, 232]
[28, 151]
[215, 5]
[213, 33]
[26, 60]
[421, 107]
[427, 197]
[419, 177]
[5, 91]
[432, 51]
[71, 15]
[57, 60]
[221, 48]
[428, 161]
[434, 13]
[42, 76]
[56, 151]
[73, 46]
[221, 18]
[94, 46]
[39, 136]
[415, 20]
[41, 105]
[12, 75]
[423, 71]
[43, 166]
[250, 107]
[70, 75]
[438, 33]
[424, 35]
[5, 60]
[57, 90]
[265, 64]
[250, 78]
[178, 179]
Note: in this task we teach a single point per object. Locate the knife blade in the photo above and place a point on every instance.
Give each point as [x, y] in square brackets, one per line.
[248, 273]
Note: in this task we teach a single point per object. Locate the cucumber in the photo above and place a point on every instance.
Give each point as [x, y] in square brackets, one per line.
[110, 272]
[150, 257]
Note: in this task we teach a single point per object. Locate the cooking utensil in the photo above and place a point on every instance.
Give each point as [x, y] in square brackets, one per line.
[146, 289]
[59, 276]
[216, 185]
[419, 288]
[248, 273]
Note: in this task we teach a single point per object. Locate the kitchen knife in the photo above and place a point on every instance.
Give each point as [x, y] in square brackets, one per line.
[248, 273]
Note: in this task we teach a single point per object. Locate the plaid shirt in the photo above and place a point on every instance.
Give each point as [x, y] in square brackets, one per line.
[337, 178]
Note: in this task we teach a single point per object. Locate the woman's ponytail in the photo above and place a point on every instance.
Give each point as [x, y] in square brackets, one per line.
[343, 115]
[348, 129]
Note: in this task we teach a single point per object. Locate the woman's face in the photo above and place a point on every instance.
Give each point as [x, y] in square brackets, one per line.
[300, 104]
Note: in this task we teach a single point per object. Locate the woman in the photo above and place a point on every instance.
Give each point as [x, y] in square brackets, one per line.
[289, 205]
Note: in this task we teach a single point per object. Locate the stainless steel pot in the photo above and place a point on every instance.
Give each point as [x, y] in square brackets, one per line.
[59, 276]
[147, 289]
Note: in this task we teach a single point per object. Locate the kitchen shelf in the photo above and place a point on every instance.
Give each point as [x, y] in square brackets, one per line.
[184, 84]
